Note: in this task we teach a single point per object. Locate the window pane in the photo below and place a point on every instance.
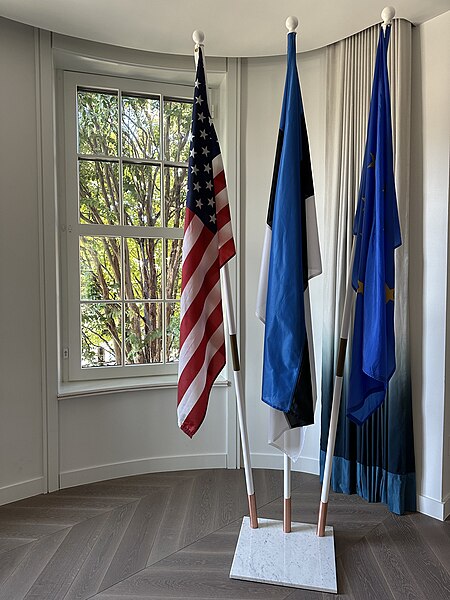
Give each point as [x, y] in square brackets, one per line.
[100, 335]
[173, 331]
[143, 333]
[100, 268]
[173, 269]
[99, 192]
[175, 188]
[142, 195]
[177, 123]
[140, 127]
[98, 123]
[143, 268]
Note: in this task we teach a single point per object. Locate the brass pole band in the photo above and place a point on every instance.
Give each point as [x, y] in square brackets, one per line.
[341, 357]
[234, 352]
[322, 522]
[287, 520]
[252, 510]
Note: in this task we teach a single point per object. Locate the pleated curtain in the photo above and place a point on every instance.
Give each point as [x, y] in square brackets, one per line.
[375, 460]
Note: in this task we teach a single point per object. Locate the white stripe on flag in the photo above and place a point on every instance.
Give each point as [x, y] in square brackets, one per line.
[191, 234]
[195, 335]
[264, 276]
[197, 385]
[195, 283]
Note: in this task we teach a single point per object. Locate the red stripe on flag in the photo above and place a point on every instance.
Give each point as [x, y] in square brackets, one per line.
[219, 182]
[226, 252]
[198, 412]
[195, 308]
[223, 216]
[197, 360]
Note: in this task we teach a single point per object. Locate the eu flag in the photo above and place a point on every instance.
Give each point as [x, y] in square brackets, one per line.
[283, 301]
[377, 231]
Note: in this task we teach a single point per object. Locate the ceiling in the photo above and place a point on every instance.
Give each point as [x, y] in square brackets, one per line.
[232, 27]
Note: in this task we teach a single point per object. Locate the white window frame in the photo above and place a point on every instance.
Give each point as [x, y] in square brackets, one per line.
[72, 229]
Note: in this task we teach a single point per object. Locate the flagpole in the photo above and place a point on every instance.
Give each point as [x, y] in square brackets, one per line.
[287, 520]
[387, 15]
[337, 391]
[291, 26]
[199, 37]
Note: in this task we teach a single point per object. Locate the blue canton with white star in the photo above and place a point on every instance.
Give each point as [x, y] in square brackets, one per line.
[204, 146]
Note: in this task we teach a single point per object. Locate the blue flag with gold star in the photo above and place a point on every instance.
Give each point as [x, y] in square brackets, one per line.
[377, 231]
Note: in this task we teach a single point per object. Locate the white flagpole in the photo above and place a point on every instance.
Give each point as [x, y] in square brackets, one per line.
[287, 519]
[345, 328]
[291, 26]
[199, 37]
[387, 14]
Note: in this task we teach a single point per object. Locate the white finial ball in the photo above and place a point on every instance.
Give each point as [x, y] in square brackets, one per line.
[198, 37]
[387, 14]
[291, 24]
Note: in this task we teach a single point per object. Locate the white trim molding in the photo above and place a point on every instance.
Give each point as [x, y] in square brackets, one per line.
[22, 489]
[437, 509]
[142, 466]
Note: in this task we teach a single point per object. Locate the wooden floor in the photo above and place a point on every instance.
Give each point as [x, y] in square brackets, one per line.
[173, 535]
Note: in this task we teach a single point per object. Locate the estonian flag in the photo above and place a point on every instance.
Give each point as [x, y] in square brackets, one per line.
[377, 231]
[291, 256]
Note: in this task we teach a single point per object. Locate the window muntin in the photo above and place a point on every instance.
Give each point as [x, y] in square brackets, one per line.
[131, 180]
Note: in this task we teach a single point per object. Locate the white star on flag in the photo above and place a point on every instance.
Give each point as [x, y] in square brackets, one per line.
[209, 185]
[199, 100]
[211, 201]
[203, 134]
[193, 153]
[194, 169]
[197, 187]
[197, 83]
[201, 117]
[205, 151]
[199, 203]
[207, 168]
[212, 218]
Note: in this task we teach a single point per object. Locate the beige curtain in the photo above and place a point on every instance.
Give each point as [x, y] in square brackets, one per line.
[350, 67]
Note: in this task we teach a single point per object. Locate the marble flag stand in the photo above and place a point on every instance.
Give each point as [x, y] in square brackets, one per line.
[298, 559]
[281, 552]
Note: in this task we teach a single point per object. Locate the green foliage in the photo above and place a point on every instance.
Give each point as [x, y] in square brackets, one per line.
[129, 270]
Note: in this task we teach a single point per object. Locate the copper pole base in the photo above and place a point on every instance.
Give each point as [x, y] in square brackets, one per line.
[287, 516]
[252, 509]
[321, 524]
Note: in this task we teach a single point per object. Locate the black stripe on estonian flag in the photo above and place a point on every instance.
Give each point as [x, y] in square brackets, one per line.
[301, 412]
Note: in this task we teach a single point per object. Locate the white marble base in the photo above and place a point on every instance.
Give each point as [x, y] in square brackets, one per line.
[298, 559]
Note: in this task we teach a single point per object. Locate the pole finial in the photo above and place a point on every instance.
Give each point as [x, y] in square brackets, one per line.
[387, 14]
[291, 24]
[198, 37]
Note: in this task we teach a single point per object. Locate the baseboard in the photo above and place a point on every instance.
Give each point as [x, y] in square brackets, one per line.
[305, 464]
[446, 506]
[142, 466]
[23, 489]
[433, 508]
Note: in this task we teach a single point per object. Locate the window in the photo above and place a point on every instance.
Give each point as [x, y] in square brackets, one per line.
[127, 148]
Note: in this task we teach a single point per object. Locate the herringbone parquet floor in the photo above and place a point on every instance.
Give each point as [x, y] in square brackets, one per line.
[173, 535]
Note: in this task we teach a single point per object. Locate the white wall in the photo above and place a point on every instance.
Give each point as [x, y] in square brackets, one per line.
[262, 93]
[136, 432]
[21, 417]
[429, 258]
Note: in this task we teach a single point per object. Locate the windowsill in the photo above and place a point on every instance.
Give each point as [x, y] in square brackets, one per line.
[79, 389]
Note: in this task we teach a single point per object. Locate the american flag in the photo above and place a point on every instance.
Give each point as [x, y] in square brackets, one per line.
[208, 244]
